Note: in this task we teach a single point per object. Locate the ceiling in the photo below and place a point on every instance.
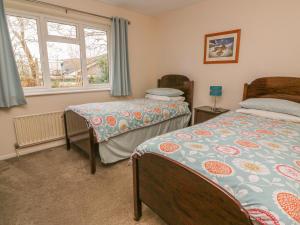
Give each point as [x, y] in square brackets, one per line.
[150, 7]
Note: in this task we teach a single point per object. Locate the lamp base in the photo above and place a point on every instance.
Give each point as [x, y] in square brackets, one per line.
[215, 109]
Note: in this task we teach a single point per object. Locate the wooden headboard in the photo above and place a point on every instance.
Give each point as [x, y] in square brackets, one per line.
[180, 82]
[287, 88]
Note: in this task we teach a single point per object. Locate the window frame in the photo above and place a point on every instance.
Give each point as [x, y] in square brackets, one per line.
[44, 37]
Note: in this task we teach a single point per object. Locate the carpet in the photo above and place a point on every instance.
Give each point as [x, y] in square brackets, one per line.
[55, 187]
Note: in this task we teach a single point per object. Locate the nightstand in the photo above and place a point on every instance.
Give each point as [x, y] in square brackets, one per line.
[205, 113]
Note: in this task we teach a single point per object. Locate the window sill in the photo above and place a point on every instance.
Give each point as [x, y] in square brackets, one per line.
[40, 92]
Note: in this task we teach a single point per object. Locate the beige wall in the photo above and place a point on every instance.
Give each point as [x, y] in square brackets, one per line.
[173, 43]
[142, 60]
[270, 43]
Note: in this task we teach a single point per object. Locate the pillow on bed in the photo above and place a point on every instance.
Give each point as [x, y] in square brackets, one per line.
[270, 115]
[170, 92]
[273, 105]
[165, 98]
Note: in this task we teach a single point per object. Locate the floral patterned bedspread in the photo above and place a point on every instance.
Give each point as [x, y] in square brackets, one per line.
[110, 119]
[256, 159]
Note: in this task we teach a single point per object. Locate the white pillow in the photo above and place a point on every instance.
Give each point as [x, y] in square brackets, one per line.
[270, 115]
[272, 105]
[165, 98]
[170, 92]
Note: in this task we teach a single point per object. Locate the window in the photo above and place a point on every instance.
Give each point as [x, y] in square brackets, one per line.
[64, 59]
[63, 30]
[54, 55]
[24, 38]
[64, 65]
[96, 54]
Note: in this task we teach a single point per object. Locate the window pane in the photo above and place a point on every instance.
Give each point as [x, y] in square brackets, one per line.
[62, 30]
[64, 65]
[96, 54]
[24, 37]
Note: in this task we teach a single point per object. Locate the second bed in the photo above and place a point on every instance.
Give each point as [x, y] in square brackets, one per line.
[114, 129]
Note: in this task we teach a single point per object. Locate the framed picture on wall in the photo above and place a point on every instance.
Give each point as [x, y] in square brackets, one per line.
[222, 47]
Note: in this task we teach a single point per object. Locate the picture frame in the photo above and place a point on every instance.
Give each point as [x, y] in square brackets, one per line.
[222, 47]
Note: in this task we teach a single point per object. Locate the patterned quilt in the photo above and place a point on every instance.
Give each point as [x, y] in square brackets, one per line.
[110, 119]
[256, 159]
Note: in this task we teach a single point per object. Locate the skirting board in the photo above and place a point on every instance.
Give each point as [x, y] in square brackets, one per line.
[33, 149]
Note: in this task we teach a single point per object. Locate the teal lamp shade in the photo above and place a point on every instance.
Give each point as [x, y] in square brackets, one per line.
[216, 91]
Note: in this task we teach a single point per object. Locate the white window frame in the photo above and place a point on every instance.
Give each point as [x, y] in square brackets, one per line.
[43, 38]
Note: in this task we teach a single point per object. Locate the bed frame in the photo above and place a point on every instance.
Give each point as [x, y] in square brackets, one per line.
[80, 131]
[181, 196]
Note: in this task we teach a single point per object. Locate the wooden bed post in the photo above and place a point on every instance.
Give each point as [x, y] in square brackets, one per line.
[93, 148]
[137, 201]
[245, 94]
[66, 132]
[191, 100]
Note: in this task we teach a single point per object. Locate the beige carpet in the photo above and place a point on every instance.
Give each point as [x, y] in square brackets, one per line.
[54, 187]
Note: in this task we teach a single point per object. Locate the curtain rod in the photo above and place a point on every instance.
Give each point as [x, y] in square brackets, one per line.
[71, 9]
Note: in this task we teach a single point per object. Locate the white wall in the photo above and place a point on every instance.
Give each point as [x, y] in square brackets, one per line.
[269, 44]
[142, 60]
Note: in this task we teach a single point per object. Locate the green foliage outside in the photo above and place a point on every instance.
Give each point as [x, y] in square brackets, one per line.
[103, 64]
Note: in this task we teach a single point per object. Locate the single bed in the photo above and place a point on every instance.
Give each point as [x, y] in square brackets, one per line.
[114, 129]
[236, 169]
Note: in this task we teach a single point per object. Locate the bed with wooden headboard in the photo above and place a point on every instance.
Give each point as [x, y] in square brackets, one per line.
[179, 194]
[180, 82]
[76, 126]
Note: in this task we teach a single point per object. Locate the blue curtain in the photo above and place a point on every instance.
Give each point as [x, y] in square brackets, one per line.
[121, 85]
[11, 92]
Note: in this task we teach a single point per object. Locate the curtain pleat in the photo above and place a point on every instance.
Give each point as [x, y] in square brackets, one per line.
[121, 85]
[11, 91]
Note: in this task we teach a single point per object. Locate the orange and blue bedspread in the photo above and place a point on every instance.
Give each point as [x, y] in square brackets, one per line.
[110, 119]
[255, 159]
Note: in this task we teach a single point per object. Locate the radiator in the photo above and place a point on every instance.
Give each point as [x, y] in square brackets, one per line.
[38, 129]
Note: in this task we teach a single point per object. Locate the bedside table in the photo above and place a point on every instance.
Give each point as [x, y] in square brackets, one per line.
[205, 113]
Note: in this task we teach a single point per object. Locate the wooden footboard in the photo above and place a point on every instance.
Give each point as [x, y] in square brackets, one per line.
[77, 131]
[181, 196]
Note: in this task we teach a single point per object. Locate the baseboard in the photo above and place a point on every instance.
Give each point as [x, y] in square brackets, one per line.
[33, 149]
[7, 156]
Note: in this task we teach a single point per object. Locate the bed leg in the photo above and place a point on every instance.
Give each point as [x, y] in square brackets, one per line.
[66, 132]
[93, 148]
[137, 201]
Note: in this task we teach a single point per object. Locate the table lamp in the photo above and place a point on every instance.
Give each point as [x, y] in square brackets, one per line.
[215, 91]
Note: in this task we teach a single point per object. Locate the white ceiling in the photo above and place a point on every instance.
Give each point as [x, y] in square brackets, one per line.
[150, 7]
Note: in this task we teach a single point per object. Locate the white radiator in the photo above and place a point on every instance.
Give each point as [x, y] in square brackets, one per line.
[42, 128]
[38, 129]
